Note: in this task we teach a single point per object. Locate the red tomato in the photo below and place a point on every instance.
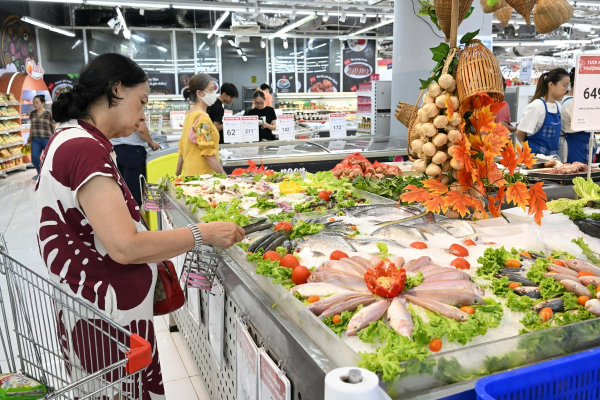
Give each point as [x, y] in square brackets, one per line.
[272, 256]
[283, 226]
[460, 263]
[213, 205]
[435, 345]
[546, 314]
[324, 195]
[300, 275]
[336, 319]
[338, 255]
[458, 250]
[289, 261]
[469, 242]
[418, 245]
[469, 310]
[582, 300]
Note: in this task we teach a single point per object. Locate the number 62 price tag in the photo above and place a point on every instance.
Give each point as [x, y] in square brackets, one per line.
[232, 129]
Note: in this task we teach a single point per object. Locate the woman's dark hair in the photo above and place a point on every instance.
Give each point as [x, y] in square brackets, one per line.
[96, 81]
[258, 93]
[198, 82]
[264, 86]
[572, 76]
[230, 90]
[41, 98]
[553, 76]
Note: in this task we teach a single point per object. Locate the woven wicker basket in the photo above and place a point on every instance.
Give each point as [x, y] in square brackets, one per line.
[490, 9]
[478, 71]
[549, 15]
[443, 10]
[504, 15]
[523, 7]
[406, 113]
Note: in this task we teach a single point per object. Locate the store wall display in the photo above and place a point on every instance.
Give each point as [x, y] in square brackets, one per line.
[286, 83]
[60, 83]
[161, 83]
[359, 63]
[17, 44]
[327, 83]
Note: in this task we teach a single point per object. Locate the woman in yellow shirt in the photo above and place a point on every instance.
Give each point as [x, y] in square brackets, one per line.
[199, 154]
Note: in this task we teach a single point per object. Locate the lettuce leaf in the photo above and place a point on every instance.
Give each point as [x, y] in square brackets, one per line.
[494, 259]
[519, 303]
[343, 325]
[591, 255]
[301, 229]
[414, 280]
[570, 301]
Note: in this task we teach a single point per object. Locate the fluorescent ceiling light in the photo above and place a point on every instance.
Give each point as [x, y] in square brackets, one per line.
[231, 42]
[244, 58]
[263, 44]
[126, 4]
[201, 46]
[92, 53]
[161, 48]
[47, 26]
[218, 23]
[138, 38]
[239, 51]
[77, 43]
[288, 28]
[219, 41]
[285, 44]
[363, 18]
[321, 45]
[211, 7]
[126, 32]
[516, 43]
[382, 23]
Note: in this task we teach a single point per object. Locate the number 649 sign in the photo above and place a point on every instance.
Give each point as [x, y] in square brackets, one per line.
[586, 94]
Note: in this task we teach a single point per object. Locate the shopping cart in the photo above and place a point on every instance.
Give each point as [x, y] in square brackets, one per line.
[74, 350]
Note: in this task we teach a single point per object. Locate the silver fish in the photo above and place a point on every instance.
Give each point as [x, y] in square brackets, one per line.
[399, 318]
[352, 282]
[556, 305]
[390, 213]
[319, 307]
[392, 246]
[453, 297]
[435, 271]
[357, 210]
[451, 284]
[560, 277]
[440, 308]
[562, 270]
[326, 244]
[319, 289]
[580, 265]
[399, 232]
[593, 306]
[456, 227]
[418, 263]
[576, 287]
[431, 229]
[448, 276]
[529, 291]
[348, 305]
[364, 317]
[590, 280]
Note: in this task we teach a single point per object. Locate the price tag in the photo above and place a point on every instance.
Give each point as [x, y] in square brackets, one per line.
[285, 150]
[273, 384]
[228, 112]
[337, 125]
[246, 357]
[232, 129]
[176, 119]
[250, 129]
[285, 127]
[586, 96]
[526, 67]
[216, 321]
[336, 145]
[248, 152]
[193, 303]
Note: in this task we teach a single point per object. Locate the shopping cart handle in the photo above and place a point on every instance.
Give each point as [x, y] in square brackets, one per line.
[140, 355]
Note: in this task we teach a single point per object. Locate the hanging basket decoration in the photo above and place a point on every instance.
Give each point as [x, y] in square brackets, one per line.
[549, 15]
[478, 72]
[443, 10]
[412, 133]
[406, 113]
[497, 4]
[504, 15]
[523, 7]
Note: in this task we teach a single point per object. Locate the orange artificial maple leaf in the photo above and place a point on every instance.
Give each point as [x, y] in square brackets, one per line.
[517, 194]
[509, 158]
[496, 107]
[476, 142]
[494, 209]
[459, 201]
[465, 179]
[436, 204]
[493, 144]
[483, 120]
[479, 209]
[537, 202]
[413, 194]
[449, 107]
[474, 102]
[500, 195]
[525, 156]
[462, 152]
[434, 186]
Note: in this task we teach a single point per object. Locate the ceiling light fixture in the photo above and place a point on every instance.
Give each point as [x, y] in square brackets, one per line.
[380, 24]
[138, 38]
[363, 18]
[92, 53]
[285, 44]
[237, 41]
[126, 32]
[244, 57]
[231, 42]
[201, 46]
[263, 44]
[239, 51]
[219, 41]
[161, 48]
[289, 27]
[343, 17]
[325, 17]
[211, 7]
[77, 43]
[293, 14]
[218, 23]
[47, 26]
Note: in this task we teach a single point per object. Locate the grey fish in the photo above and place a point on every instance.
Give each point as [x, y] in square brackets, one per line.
[448, 276]
[364, 317]
[556, 305]
[516, 278]
[326, 244]
[352, 282]
[590, 280]
[456, 227]
[399, 318]
[529, 291]
[562, 270]
[440, 308]
[319, 289]
[450, 285]
[576, 287]
[392, 246]
[319, 307]
[580, 265]
[418, 263]
[431, 229]
[453, 297]
[390, 213]
[348, 305]
[593, 306]
[399, 232]
[560, 277]
[318, 254]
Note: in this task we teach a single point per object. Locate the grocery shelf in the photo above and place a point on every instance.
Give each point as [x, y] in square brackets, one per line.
[22, 167]
[3, 160]
[9, 104]
[5, 146]
[19, 129]
[7, 118]
[366, 94]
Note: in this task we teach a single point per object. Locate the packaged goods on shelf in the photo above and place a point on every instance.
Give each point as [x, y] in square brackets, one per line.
[8, 112]
[10, 139]
[8, 125]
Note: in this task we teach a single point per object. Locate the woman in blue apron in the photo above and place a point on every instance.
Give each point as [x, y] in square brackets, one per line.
[541, 122]
[578, 142]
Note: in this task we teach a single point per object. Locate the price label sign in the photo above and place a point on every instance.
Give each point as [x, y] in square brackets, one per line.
[228, 112]
[526, 67]
[248, 152]
[250, 129]
[232, 129]
[285, 127]
[586, 95]
[336, 145]
[176, 119]
[273, 384]
[285, 150]
[337, 125]
[246, 357]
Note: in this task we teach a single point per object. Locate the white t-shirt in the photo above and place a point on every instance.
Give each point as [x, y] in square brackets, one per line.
[133, 140]
[535, 114]
[566, 112]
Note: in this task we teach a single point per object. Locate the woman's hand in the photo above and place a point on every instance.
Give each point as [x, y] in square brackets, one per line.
[221, 234]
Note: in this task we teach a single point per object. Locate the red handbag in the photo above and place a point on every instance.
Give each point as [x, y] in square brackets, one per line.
[168, 295]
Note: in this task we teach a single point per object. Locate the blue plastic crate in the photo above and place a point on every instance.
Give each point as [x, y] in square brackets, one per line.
[572, 377]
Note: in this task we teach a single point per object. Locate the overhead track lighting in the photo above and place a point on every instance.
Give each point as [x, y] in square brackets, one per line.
[201, 46]
[92, 53]
[380, 24]
[161, 48]
[239, 51]
[285, 44]
[47, 26]
[219, 41]
[363, 18]
[126, 32]
[263, 44]
[244, 58]
[231, 42]
[343, 17]
[325, 17]
[138, 38]
[288, 28]
[77, 43]
[221, 19]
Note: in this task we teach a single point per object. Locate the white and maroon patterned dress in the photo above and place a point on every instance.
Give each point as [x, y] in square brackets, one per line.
[77, 261]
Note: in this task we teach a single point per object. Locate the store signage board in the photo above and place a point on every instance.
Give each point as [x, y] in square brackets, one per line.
[526, 67]
[232, 129]
[176, 119]
[586, 95]
[285, 126]
[337, 125]
[36, 71]
[336, 145]
[273, 384]
[285, 150]
[246, 357]
[216, 321]
[250, 129]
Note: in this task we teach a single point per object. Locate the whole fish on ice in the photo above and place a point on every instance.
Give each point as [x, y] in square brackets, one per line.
[399, 318]
[364, 317]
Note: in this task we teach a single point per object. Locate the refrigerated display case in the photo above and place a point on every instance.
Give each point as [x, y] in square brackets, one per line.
[374, 107]
[162, 113]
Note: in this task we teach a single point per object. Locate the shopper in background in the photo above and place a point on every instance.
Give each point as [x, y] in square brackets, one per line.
[503, 116]
[578, 143]
[42, 128]
[541, 122]
[267, 119]
[199, 143]
[267, 91]
[216, 112]
[131, 158]
[89, 228]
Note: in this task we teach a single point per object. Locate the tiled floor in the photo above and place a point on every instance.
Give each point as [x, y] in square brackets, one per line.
[180, 376]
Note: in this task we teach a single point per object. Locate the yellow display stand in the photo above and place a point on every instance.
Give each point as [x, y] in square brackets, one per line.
[155, 170]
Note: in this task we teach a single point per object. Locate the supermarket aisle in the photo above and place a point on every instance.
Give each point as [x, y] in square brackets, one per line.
[180, 376]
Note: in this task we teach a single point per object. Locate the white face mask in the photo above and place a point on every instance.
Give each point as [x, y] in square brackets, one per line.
[209, 98]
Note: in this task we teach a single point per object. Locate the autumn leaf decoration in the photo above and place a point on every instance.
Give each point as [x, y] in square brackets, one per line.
[476, 178]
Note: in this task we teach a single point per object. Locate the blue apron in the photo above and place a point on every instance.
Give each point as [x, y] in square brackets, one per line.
[578, 145]
[545, 141]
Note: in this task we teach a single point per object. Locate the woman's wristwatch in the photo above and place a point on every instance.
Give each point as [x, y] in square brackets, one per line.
[198, 239]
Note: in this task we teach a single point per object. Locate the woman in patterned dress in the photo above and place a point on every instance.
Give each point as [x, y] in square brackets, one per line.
[89, 226]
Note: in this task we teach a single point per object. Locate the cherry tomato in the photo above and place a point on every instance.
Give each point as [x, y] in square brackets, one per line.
[313, 299]
[546, 314]
[525, 254]
[349, 194]
[513, 264]
[460, 263]
[213, 205]
[354, 228]
[272, 256]
[435, 345]
[582, 300]
[338, 255]
[324, 195]
[289, 261]
[514, 285]
[337, 319]
[559, 262]
[584, 273]
[469, 242]
[458, 250]
[469, 310]
[300, 275]
[418, 245]
[283, 226]
[331, 219]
